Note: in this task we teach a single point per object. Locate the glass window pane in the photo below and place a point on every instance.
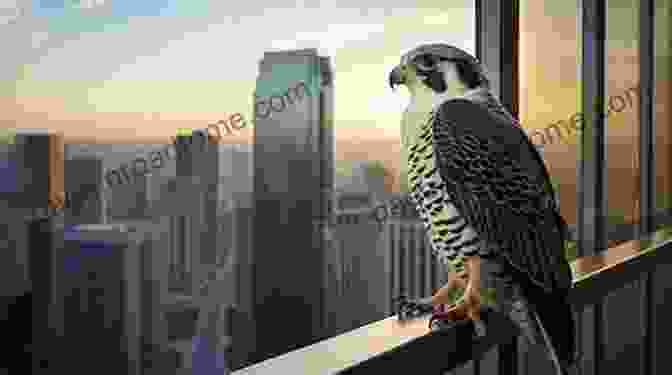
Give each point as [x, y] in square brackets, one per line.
[622, 119]
[549, 90]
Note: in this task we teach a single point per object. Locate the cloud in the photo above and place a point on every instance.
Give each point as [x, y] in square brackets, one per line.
[329, 41]
[338, 34]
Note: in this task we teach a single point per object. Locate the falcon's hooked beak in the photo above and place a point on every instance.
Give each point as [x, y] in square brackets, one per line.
[397, 76]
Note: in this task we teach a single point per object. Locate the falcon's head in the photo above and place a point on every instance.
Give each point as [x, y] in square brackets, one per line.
[438, 70]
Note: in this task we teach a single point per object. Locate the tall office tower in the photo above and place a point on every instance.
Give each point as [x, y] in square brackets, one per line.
[293, 157]
[31, 175]
[197, 188]
[184, 206]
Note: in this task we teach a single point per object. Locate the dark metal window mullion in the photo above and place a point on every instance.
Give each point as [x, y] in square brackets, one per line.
[592, 161]
[591, 186]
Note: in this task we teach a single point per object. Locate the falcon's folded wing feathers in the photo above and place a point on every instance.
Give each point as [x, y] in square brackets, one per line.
[501, 188]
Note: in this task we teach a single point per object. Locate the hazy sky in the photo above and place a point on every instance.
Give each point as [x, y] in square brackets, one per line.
[83, 66]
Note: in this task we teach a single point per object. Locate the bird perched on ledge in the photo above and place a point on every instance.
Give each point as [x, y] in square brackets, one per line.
[484, 195]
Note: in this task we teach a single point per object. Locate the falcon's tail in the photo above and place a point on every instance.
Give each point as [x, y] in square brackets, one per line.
[556, 320]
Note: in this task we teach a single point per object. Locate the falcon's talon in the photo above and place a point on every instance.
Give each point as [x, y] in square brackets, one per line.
[468, 307]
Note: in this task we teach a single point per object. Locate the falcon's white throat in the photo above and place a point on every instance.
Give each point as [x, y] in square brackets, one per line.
[423, 101]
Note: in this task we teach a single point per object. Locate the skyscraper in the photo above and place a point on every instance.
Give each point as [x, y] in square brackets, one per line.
[293, 173]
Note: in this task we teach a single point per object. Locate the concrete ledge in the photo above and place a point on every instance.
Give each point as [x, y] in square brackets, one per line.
[390, 346]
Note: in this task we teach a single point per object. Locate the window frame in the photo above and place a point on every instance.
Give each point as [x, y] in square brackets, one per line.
[498, 19]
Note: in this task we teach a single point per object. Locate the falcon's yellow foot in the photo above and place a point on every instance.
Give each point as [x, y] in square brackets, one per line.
[469, 307]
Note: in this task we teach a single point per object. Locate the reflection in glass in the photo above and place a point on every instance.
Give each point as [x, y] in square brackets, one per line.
[549, 88]
[622, 120]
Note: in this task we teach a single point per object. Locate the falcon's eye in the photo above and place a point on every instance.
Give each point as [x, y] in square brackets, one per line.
[425, 63]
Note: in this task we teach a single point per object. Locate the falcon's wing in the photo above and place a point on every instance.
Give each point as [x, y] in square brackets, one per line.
[499, 183]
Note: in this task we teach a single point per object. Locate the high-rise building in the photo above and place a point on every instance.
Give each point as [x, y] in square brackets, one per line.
[293, 178]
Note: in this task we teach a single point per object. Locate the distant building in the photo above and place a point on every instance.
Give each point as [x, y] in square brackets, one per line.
[361, 182]
[236, 170]
[354, 200]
